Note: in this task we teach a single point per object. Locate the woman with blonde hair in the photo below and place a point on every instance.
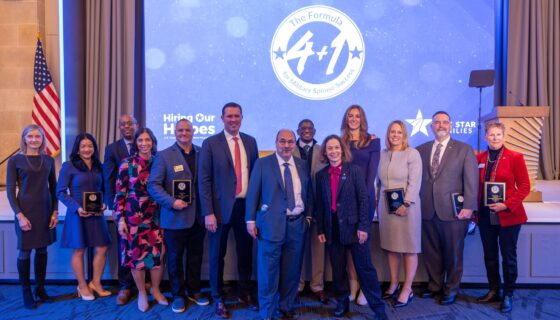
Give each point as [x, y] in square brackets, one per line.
[31, 190]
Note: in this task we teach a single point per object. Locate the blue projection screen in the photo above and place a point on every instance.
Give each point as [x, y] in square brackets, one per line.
[284, 61]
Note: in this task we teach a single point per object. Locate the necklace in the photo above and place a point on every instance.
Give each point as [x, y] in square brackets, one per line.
[31, 166]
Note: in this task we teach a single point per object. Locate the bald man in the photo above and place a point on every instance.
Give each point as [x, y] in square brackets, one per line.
[278, 214]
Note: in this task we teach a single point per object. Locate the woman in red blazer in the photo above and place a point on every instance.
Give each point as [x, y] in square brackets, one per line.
[500, 222]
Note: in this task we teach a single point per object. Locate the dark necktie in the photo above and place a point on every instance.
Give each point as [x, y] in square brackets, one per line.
[306, 149]
[129, 148]
[289, 185]
[435, 160]
[237, 166]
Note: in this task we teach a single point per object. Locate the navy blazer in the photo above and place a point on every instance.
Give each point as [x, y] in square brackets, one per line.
[114, 154]
[267, 201]
[351, 204]
[170, 165]
[216, 174]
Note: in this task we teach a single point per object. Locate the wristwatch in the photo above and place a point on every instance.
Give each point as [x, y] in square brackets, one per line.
[406, 204]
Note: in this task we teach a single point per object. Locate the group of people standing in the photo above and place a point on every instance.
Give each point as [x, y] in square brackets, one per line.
[303, 200]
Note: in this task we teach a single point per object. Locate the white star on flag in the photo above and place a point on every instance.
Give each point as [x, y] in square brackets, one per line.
[419, 124]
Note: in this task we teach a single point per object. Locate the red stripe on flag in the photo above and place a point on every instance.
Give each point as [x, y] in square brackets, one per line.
[53, 112]
[38, 122]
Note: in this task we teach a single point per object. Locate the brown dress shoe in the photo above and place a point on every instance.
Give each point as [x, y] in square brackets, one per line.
[248, 300]
[123, 297]
[322, 297]
[221, 310]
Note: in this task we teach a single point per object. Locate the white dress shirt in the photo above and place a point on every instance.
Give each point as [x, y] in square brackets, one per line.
[444, 144]
[296, 182]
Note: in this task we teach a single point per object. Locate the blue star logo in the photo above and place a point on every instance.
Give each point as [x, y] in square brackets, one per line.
[356, 53]
[279, 54]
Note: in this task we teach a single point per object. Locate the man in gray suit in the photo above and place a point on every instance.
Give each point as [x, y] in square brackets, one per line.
[448, 166]
[309, 150]
[180, 220]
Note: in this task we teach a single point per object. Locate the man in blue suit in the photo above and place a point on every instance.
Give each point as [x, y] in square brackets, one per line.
[114, 154]
[225, 163]
[180, 220]
[278, 215]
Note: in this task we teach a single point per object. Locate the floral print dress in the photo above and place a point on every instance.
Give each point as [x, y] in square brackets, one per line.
[142, 248]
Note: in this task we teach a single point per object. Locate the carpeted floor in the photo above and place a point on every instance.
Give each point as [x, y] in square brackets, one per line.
[528, 304]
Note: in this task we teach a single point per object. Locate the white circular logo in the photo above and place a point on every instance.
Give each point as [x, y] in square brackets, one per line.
[317, 52]
[495, 189]
[460, 199]
[182, 186]
[92, 197]
[394, 196]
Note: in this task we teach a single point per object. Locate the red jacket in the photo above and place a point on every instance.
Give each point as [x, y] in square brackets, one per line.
[513, 171]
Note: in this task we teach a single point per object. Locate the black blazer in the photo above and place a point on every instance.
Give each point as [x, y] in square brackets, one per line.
[114, 154]
[351, 202]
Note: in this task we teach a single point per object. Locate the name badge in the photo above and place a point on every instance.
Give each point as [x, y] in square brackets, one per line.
[178, 168]
[481, 165]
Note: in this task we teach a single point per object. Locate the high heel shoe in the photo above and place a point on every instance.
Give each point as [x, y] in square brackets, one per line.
[400, 304]
[100, 292]
[160, 298]
[143, 304]
[392, 295]
[86, 297]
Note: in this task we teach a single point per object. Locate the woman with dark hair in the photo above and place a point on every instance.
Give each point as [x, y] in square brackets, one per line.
[138, 218]
[500, 222]
[365, 149]
[31, 190]
[83, 229]
[344, 225]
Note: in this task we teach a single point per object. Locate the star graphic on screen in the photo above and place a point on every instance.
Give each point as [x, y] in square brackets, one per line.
[419, 124]
[356, 53]
[279, 54]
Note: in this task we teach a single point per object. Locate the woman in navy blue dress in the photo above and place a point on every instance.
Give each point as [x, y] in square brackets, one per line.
[83, 229]
[366, 151]
[31, 190]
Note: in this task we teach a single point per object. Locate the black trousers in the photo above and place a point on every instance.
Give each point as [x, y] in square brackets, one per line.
[497, 239]
[217, 242]
[177, 242]
[367, 275]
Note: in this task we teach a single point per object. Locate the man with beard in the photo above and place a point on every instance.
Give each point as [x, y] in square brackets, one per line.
[114, 154]
[448, 166]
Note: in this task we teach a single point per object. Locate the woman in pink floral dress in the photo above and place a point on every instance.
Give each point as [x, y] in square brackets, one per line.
[137, 216]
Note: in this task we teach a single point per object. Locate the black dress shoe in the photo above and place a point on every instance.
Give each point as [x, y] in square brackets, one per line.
[507, 304]
[285, 315]
[491, 296]
[342, 308]
[448, 299]
[400, 304]
[221, 310]
[248, 300]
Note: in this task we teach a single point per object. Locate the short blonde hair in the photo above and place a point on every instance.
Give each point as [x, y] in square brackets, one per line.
[404, 131]
[26, 130]
[492, 124]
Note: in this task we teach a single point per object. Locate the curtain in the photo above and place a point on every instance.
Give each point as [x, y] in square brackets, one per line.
[112, 61]
[533, 70]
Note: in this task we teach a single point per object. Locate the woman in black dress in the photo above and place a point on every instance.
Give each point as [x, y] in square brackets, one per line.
[32, 172]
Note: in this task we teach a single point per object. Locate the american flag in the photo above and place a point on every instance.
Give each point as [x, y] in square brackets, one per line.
[46, 110]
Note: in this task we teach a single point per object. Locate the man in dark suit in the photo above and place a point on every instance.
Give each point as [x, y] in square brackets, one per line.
[180, 219]
[309, 150]
[448, 166]
[114, 154]
[225, 164]
[278, 214]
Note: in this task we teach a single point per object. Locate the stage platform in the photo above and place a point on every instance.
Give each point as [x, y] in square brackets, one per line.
[538, 247]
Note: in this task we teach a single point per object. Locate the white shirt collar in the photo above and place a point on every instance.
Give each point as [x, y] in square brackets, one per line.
[443, 143]
[303, 144]
[282, 161]
[229, 136]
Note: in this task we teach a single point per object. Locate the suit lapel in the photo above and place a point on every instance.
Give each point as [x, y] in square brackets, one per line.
[225, 148]
[248, 148]
[302, 179]
[343, 178]
[122, 149]
[181, 158]
[327, 186]
[273, 163]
